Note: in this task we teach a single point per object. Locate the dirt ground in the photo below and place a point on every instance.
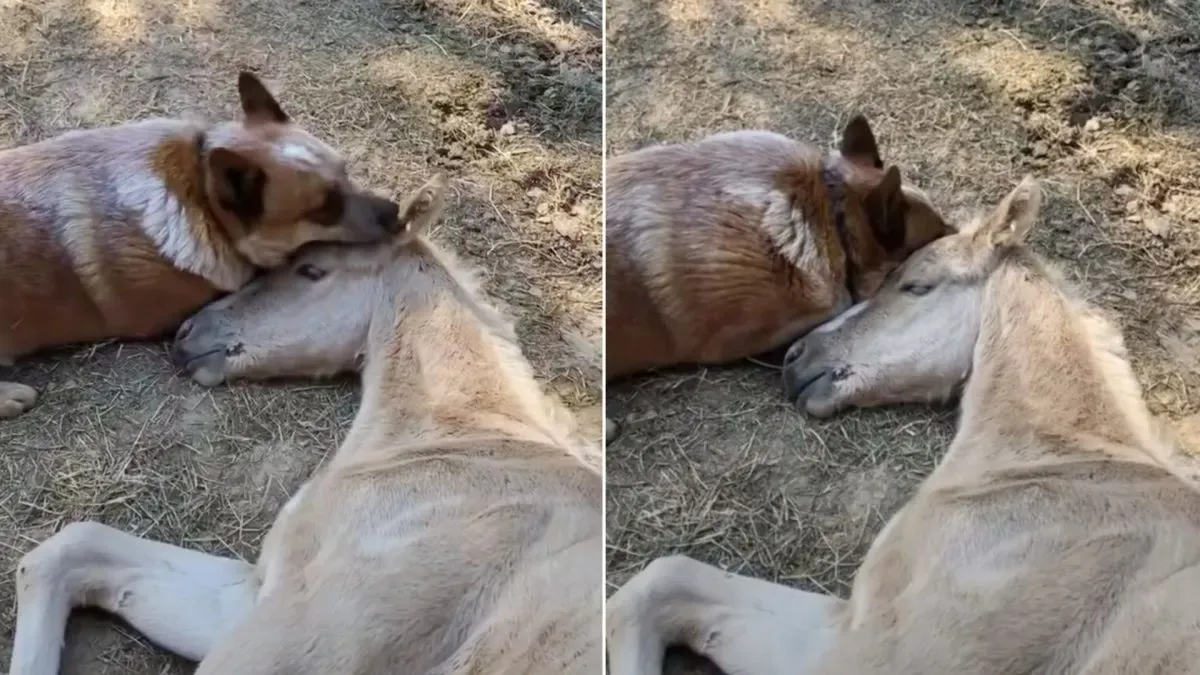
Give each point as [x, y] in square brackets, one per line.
[504, 95]
[1099, 98]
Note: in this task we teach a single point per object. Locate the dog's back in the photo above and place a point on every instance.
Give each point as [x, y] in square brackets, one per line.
[83, 220]
[121, 232]
[692, 266]
[730, 246]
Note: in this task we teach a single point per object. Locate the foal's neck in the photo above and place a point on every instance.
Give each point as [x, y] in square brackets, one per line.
[1050, 379]
[442, 365]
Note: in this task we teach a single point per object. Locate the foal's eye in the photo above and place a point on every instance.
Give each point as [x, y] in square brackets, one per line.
[311, 273]
[915, 288]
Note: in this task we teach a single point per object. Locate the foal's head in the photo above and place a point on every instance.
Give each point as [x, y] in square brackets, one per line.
[312, 317]
[914, 340]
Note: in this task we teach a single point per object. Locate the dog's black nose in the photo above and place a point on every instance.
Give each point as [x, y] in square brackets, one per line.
[387, 214]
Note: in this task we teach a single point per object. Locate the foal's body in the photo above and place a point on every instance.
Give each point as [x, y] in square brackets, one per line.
[1054, 537]
[458, 529]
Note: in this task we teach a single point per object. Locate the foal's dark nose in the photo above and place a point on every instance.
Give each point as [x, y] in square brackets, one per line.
[185, 328]
[794, 353]
[182, 351]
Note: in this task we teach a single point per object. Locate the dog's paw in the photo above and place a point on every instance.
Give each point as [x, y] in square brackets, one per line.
[15, 399]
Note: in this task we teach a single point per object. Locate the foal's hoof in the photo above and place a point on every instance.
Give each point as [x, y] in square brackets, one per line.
[15, 399]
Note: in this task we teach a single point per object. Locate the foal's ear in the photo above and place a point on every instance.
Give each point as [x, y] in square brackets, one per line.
[1011, 220]
[422, 209]
[858, 143]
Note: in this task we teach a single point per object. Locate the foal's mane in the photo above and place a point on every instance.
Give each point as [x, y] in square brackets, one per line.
[559, 423]
[1104, 339]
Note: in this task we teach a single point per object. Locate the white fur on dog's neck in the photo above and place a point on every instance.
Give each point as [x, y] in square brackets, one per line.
[165, 220]
[166, 223]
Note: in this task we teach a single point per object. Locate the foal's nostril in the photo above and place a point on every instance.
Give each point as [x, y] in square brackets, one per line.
[793, 353]
[179, 357]
[185, 328]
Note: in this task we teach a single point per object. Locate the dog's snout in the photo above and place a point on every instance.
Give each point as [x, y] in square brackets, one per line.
[384, 213]
[369, 218]
[387, 214]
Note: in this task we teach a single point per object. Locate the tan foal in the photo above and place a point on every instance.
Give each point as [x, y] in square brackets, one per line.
[1055, 536]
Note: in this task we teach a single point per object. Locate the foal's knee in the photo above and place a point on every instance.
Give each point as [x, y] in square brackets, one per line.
[659, 584]
[57, 555]
[664, 604]
[671, 573]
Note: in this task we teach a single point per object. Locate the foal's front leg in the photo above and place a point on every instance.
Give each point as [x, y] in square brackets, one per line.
[181, 600]
[746, 626]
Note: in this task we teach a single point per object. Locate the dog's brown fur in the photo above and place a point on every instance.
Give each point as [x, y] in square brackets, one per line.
[122, 232]
[727, 247]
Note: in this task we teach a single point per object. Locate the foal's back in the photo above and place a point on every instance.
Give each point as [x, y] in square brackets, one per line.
[1083, 566]
[458, 556]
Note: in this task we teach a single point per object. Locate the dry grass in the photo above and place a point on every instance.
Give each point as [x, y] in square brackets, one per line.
[503, 95]
[1099, 98]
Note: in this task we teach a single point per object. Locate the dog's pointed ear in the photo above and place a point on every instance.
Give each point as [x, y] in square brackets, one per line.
[1010, 222]
[886, 210]
[236, 184]
[858, 143]
[258, 104]
[420, 210]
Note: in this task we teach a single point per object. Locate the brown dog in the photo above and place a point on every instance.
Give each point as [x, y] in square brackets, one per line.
[737, 244]
[122, 232]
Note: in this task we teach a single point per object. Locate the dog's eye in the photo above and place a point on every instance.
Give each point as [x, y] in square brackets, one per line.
[331, 209]
[915, 288]
[311, 273]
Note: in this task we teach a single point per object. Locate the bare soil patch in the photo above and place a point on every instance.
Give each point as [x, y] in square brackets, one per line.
[1099, 98]
[504, 95]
